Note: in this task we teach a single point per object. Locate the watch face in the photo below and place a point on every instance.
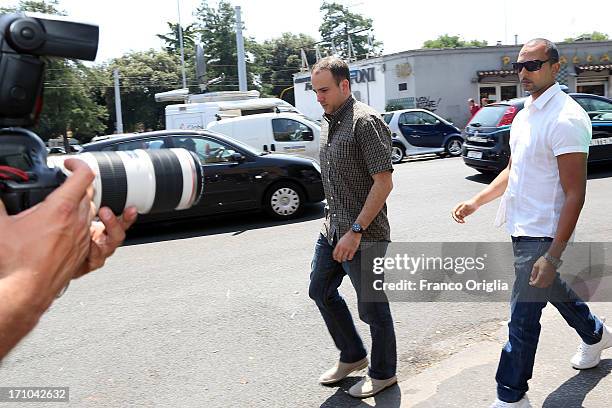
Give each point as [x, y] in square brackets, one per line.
[357, 228]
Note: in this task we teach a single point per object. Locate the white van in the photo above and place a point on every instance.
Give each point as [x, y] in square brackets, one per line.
[283, 132]
[197, 115]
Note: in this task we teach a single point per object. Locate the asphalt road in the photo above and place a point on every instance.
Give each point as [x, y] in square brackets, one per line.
[215, 313]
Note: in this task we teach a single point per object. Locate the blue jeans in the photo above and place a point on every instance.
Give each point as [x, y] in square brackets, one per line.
[518, 355]
[325, 278]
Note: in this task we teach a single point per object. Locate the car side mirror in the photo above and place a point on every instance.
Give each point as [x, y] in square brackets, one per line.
[307, 136]
[237, 157]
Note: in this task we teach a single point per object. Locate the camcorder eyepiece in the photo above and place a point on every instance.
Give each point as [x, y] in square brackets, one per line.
[153, 181]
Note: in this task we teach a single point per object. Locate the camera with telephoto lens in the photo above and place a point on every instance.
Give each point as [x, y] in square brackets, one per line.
[150, 180]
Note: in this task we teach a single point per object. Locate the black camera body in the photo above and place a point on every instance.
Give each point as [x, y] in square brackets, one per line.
[25, 39]
[22, 149]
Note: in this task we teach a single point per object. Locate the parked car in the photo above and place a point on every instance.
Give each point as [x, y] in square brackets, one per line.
[283, 132]
[61, 150]
[237, 177]
[487, 135]
[419, 131]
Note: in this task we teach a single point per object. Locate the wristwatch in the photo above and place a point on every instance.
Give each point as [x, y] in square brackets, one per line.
[357, 228]
[556, 262]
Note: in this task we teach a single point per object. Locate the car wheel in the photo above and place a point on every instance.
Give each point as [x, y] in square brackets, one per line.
[284, 200]
[397, 153]
[453, 146]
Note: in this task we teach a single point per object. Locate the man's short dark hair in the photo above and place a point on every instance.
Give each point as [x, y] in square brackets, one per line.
[338, 68]
[552, 52]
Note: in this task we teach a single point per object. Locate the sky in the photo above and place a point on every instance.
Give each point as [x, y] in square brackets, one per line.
[127, 25]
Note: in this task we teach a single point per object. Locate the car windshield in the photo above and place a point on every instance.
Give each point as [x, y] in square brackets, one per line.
[387, 117]
[488, 116]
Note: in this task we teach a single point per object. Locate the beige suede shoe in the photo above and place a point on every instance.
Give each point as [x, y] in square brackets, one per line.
[342, 370]
[369, 387]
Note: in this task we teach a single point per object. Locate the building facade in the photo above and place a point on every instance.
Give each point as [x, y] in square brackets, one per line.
[441, 80]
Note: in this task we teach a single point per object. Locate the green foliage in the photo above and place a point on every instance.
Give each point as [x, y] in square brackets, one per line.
[279, 59]
[338, 22]
[452, 41]
[39, 6]
[594, 36]
[172, 40]
[142, 74]
[216, 28]
[69, 103]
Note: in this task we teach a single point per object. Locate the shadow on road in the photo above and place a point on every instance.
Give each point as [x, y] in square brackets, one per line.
[223, 224]
[389, 398]
[573, 392]
[596, 171]
[423, 158]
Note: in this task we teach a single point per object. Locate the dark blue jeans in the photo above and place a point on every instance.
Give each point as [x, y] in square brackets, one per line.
[518, 355]
[325, 278]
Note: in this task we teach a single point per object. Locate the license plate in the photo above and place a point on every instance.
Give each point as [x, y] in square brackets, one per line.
[474, 154]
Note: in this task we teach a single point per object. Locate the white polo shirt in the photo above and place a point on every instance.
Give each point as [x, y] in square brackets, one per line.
[552, 125]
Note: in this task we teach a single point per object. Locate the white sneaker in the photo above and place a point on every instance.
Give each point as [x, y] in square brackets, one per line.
[341, 370]
[588, 356]
[523, 403]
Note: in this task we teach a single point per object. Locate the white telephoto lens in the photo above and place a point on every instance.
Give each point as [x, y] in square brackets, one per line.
[153, 181]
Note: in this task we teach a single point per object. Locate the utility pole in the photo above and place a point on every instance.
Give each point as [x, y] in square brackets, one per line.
[118, 103]
[242, 82]
[180, 29]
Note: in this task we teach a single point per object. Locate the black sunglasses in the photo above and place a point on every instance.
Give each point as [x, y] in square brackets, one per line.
[530, 66]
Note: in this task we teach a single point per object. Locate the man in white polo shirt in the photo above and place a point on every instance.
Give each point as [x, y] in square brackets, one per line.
[543, 191]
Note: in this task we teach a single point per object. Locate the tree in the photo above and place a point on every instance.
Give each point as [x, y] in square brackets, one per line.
[594, 36]
[452, 41]
[143, 74]
[280, 58]
[216, 28]
[338, 23]
[172, 40]
[39, 6]
[69, 90]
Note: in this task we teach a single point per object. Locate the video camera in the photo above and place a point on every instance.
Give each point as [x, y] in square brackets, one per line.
[145, 179]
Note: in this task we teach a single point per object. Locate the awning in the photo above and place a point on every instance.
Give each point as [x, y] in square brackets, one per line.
[595, 68]
[496, 73]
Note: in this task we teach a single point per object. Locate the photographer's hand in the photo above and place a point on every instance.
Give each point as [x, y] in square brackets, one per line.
[40, 250]
[106, 236]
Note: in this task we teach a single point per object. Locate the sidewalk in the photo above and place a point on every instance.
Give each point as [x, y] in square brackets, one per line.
[467, 379]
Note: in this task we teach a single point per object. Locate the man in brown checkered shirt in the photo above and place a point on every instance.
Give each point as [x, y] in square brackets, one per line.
[356, 170]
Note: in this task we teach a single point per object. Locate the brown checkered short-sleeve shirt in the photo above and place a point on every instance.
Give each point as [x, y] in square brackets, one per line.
[355, 144]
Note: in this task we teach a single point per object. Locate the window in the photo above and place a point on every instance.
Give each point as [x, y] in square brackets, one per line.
[508, 92]
[387, 117]
[427, 119]
[489, 116]
[403, 86]
[594, 88]
[146, 144]
[209, 151]
[417, 118]
[599, 105]
[289, 130]
[409, 118]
